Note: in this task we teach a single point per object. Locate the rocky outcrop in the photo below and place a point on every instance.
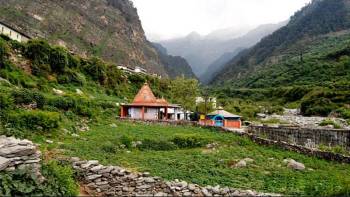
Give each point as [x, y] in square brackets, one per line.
[109, 29]
[19, 154]
[117, 181]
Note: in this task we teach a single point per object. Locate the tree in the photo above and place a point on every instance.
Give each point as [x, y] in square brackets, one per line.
[184, 91]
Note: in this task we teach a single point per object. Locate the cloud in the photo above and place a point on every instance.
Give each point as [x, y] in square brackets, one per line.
[171, 18]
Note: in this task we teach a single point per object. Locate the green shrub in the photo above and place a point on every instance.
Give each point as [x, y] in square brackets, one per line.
[4, 50]
[58, 59]
[109, 147]
[59, 181]
[329, 122]
[317, 106]
[38, 51]
[127, 141]
[161, 145]
[25, 96]
[62, 103]
[189, 141]
[6, 101]
[34, 119]
[96, 69]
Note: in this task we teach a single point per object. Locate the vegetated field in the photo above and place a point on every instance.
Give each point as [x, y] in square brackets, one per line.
[189, 159]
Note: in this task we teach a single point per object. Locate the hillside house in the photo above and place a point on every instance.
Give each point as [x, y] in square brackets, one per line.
[222, 118]
[210, 100]
[147, 107]
[13, 33]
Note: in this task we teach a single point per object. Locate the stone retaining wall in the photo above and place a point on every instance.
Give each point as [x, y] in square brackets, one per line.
[102, 180]
[307, 137]
[19, 154]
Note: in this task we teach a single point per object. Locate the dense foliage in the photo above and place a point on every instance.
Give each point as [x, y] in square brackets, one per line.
[59, 181]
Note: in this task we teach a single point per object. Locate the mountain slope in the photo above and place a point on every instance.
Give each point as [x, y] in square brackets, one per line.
[174, 65]
[305, 27]
[217, 66]
[200, 52]
[110, 29]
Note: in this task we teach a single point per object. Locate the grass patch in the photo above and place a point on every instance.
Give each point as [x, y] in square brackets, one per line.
[267, 173]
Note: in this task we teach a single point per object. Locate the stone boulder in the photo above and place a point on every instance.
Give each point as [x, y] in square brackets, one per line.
[291, 163]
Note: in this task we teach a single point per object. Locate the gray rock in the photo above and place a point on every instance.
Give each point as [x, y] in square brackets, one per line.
[93, 177]
[161, 194]
[49, 141]
[241, 164]
[149, 180]
[96, 168]
[89, 163]
[4, 163]
[206, 192]
[17, 150]
[191, 187]
[187, 194]
[296, 165]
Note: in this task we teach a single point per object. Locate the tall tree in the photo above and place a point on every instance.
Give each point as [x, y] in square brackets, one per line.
[184, 92]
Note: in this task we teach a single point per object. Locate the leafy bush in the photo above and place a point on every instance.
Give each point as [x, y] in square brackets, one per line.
[59, 182]
[34, 119]
[317, 106]
[329, 122]
[6, 101]
[109, 147]
[38, 51]
[25, 96]
[189, 141]
[127, 141]
[161, 145]
[96, 69]
[58, 59]
[4, 49]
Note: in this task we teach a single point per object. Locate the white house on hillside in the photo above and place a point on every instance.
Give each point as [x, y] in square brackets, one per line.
[210, 100]
[12, 33]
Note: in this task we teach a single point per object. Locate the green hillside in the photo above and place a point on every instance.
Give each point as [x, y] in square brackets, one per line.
[277, 56]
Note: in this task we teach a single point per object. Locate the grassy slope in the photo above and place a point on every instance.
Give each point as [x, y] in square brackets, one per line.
[267, 172]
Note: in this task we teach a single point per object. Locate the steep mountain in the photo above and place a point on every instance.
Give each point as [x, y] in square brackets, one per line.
[110, 29]
[174, 65]
[201, 51]
[217, 66]
[295, 53]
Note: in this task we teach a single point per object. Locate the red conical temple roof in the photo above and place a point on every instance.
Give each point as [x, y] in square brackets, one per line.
[145, 95]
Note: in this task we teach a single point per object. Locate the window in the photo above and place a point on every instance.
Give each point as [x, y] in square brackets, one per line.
[146, 109]
[2, 29]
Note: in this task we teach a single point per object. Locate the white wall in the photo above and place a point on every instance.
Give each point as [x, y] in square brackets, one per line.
[14, 35]
[150, 113]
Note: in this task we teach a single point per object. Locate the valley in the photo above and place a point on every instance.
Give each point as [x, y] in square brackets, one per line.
[90, 106]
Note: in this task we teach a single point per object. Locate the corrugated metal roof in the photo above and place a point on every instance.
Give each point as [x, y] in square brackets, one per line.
[223, 113]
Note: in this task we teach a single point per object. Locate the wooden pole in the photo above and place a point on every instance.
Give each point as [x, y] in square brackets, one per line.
[143, 113]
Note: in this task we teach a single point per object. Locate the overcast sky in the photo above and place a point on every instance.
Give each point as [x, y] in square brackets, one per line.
[174, 18]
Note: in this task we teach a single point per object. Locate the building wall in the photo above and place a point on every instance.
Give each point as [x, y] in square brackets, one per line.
[150, 113]
[14, 35]
[232, 124]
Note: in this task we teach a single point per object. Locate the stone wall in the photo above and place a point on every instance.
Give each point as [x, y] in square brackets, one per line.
[102, 180]
[307, 137]
[19, 154]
